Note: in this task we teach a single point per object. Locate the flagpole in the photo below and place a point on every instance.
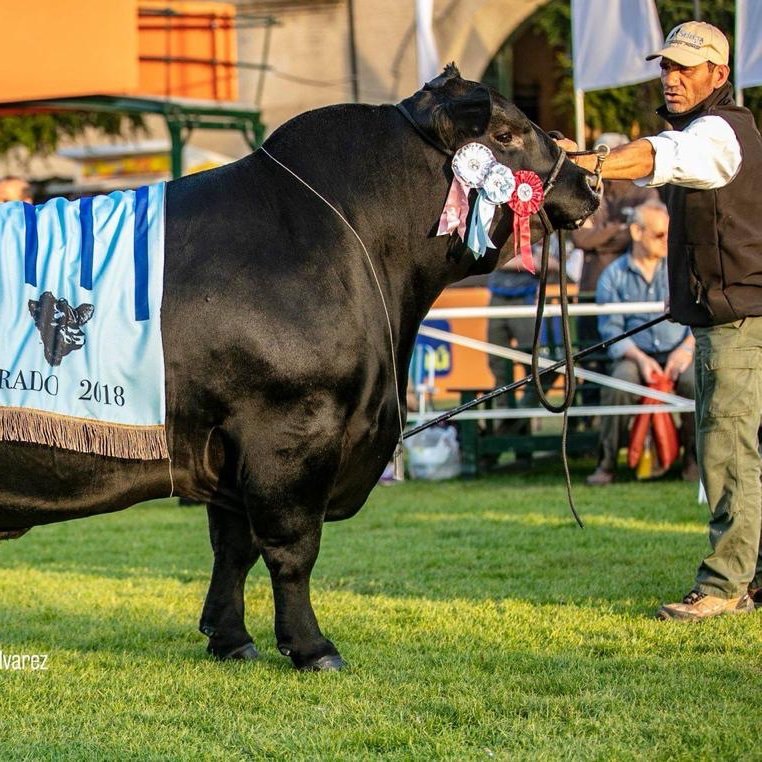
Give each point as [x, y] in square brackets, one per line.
[739, 33]
[579, 117]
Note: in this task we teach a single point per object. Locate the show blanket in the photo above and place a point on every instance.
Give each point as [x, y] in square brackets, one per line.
[81, 360]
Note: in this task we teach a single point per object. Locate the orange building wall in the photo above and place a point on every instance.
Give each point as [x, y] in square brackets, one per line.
[201, 31]
[55, 49]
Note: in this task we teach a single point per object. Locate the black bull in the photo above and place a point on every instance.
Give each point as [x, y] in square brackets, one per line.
[281, 403]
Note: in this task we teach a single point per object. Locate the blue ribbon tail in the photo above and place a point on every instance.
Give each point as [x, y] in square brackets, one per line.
[478, 231]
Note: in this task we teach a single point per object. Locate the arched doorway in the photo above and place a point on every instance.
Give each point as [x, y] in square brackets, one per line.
[524, 70]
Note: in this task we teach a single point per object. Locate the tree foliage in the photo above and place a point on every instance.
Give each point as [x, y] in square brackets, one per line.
[41, 133]
[627, 109]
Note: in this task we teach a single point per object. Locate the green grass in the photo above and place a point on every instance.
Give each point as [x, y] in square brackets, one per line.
[478, 620]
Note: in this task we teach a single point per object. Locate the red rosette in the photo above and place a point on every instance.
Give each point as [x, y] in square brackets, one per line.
[527, 199]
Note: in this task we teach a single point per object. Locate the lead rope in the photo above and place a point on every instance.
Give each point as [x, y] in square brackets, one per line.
[571, 382]
[398, 451]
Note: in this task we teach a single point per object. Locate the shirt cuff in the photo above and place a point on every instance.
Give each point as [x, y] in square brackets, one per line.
[616, 351]
[665, 152]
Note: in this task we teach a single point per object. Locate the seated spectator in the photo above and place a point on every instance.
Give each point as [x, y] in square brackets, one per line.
[15, 189]
[641, 276]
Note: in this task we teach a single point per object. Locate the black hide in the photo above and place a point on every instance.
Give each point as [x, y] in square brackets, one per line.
[281, 406]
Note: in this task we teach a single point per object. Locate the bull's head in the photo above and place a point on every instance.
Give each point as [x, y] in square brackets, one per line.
[59, 325]
[451, 112]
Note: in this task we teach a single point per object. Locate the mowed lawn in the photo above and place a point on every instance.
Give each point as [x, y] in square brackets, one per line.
[479, 622]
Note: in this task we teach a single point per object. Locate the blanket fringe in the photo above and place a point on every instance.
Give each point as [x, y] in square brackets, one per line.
[114, 440]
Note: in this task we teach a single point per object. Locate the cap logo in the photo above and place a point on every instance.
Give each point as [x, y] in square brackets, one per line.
[691, 39]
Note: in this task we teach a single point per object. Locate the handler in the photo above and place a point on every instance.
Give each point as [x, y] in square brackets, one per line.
[711, 164]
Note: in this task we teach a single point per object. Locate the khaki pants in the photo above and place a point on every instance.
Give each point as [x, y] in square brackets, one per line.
[728, 367]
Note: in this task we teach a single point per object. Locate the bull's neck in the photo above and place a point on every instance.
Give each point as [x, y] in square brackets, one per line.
[390, 189]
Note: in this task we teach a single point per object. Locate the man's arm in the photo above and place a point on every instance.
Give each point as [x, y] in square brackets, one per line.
[629, 162]
[706, 154]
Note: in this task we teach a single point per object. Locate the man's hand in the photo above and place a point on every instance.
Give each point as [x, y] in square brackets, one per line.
[678, 362]
[646, 364]
[568, 145]
[649, 367]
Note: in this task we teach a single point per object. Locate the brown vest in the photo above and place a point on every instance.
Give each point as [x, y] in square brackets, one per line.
[715, 236]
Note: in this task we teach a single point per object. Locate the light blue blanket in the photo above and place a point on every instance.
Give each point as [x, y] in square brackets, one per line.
[81, 360]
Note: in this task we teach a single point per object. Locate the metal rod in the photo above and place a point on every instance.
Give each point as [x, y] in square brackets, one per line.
[524, 381]
[353, 53]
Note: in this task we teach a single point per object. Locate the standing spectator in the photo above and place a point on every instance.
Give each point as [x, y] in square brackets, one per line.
[604, 237]
[606, 234]
[711, 162]
[667, 348]
[14, 188]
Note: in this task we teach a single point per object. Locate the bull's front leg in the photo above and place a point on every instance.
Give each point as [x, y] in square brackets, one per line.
[290, 541]
[222, 619]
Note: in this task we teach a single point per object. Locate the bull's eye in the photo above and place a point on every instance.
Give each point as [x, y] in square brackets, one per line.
[504, 137]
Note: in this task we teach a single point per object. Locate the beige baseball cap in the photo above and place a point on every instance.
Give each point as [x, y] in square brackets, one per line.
[692, 43]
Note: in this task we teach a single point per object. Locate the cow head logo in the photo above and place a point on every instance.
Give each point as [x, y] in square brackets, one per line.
[60, 325]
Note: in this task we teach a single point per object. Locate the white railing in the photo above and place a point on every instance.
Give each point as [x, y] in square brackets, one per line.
[672, 403]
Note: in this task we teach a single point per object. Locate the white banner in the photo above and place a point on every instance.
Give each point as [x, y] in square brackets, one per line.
[425, 44]
[610, 40]
[748, 63]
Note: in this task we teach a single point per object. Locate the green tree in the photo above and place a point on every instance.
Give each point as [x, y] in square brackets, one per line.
[627, 109]
[40, 133]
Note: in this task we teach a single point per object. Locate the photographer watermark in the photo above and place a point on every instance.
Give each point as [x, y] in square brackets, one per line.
[23, 661]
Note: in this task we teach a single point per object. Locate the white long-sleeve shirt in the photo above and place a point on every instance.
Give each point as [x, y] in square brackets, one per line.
[705, 155]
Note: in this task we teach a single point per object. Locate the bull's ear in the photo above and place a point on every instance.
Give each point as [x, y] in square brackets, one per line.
[34, 309]
[84, 312]
[449, 72]
[464, 116]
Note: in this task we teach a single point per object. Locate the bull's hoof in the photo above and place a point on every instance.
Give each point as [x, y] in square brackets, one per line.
[327, 663]
[246, 652]
[13, 534]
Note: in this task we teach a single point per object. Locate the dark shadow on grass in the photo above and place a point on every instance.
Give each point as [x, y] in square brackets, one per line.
[120, 637]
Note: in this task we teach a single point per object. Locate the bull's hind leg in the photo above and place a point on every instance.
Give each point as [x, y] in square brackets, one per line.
[290, 542]
[222, 619]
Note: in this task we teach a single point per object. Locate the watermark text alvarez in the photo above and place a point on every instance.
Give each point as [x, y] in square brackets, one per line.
[23, 661]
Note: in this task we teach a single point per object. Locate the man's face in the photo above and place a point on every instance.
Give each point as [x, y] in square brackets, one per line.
[650, 238]
[685, 86]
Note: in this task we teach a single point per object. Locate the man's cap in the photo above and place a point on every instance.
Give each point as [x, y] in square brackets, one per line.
[692, 43]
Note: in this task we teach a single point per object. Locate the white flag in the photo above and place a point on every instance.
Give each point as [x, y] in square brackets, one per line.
[425, 44]
[610, 41]
[748, 43]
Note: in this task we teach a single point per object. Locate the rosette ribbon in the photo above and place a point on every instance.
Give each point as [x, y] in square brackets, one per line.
[474, 166]
[496, 189]
[526, 200]
[455, 212]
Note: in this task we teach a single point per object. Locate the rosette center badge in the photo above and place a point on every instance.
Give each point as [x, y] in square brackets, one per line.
[471, 164]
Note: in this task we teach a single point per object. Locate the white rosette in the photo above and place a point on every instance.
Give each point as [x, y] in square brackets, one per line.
[499, 184]
[471, 164]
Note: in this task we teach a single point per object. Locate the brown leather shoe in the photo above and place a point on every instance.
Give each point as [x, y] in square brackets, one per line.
[601, 477]
[698, 605]
[755, 593]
